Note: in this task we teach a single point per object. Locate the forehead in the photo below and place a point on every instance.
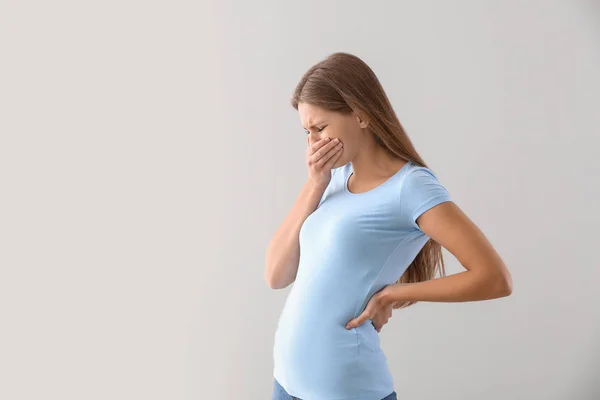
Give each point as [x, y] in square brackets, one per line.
[311, 114]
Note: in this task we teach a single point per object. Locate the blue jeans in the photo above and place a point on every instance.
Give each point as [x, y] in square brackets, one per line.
[279, 393]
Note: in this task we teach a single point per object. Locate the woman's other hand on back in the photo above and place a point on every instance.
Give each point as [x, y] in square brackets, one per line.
[378, 310]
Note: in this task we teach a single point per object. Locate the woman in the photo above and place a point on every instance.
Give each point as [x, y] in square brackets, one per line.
[364, 237]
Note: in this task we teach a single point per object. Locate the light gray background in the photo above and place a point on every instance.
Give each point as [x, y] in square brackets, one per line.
[148, 152]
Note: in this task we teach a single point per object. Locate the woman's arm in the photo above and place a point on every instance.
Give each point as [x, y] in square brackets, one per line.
[283, 252]
[486, 277]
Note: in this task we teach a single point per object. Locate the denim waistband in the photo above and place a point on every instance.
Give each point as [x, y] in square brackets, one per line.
[279, 393]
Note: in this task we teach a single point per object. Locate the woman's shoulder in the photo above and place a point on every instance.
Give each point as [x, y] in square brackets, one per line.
[417, 170]
[418, 178]
[420, 190]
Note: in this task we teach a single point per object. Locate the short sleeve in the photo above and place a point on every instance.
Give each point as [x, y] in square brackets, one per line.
[421, 190]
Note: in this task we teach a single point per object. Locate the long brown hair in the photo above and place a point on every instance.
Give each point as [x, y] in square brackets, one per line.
[342, 82]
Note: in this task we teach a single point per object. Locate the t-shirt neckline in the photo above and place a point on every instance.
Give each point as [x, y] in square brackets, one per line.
[351, 171]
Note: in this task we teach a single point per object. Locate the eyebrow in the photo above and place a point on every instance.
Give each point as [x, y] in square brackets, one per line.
[315, 124]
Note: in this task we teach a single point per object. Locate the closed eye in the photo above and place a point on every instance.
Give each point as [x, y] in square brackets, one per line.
[318, 130]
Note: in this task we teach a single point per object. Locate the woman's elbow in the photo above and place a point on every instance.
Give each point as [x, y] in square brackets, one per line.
[271, 282]
[274, 280]
[504, 284]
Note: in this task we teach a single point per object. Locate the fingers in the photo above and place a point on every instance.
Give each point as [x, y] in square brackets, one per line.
[320, 157]
[329, 159]
[379, 325]
[313, 147]
[321, 148]
[334, 158]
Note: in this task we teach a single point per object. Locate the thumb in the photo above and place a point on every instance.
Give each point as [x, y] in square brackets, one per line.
[357, 321]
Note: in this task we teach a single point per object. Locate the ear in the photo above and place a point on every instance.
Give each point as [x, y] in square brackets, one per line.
[360, 119]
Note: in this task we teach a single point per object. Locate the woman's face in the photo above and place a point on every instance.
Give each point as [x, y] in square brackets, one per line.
[319, 123]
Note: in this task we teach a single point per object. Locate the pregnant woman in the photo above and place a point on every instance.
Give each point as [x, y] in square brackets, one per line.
[364, 237]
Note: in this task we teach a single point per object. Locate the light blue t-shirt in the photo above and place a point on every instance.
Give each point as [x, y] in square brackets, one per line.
[351, 246]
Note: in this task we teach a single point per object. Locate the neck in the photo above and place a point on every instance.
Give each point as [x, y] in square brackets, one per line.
[374, 162]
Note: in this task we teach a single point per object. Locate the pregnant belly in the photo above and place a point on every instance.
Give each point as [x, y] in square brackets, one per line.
[313, 327]
[312, 353]
[331, 359]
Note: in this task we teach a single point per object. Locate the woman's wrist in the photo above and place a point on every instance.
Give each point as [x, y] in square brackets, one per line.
[315, 187]
[391, 293]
